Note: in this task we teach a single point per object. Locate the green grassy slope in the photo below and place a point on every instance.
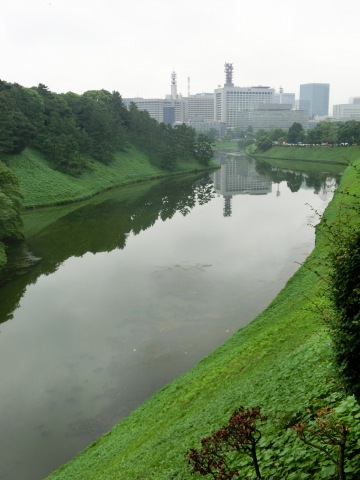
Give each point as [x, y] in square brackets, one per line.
[282, 361]
[327, 154]
[310, 159]
[41, 185]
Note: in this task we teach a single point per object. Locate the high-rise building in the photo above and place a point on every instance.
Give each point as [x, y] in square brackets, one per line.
[314, 98]
[230, 100]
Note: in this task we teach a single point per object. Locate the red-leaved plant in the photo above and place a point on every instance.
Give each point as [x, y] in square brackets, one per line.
[240, 434]
[323, 432]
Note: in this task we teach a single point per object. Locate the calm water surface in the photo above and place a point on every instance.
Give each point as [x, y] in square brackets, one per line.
[115, 297]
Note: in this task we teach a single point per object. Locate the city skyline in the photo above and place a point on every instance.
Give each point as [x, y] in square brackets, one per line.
[133, 47]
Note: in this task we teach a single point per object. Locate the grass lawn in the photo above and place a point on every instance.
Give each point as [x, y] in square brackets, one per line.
[340, 155]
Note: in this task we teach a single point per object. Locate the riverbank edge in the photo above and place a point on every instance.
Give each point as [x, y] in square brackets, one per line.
[37, 179]
[319, 154]
[35, 175]
[281, 361]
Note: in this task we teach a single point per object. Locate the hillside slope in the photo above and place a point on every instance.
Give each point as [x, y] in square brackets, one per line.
[42, 185]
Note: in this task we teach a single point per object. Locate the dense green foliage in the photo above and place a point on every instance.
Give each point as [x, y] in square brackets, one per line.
[346, 291]
[10, 209]
[10, 205]
[326, 132]
[69, 129]
[283, 362]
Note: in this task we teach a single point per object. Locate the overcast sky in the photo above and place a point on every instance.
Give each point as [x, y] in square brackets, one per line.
[133, 45]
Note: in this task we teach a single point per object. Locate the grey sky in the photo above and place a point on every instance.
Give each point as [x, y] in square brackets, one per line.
[133, 45]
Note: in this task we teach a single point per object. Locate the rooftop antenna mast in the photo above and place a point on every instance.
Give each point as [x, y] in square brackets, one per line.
[173, 86]
[228, 75]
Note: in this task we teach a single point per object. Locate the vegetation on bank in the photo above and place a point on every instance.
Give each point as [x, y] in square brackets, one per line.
[283, 362]
[320, 154]
[43, 186]
[66, 147]
[71, 129]
[10, 209]
[325, 133]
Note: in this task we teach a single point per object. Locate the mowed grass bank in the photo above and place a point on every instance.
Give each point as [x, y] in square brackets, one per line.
[43, 186]
[324, 154]
[310, 159]
[282, 361]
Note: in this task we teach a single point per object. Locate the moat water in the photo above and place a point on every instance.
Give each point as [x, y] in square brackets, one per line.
[114, 297]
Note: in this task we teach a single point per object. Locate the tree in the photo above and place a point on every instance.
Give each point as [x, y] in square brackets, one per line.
[263, 143]
[240, 434]
[15, 129]
[203, 149]
[296, 133]
[278, 134]
[345, 288]
[349, 132]
[323, 432]
[10, 206]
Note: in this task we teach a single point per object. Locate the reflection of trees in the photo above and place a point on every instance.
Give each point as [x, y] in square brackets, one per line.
[294, 180]
[102, 227]
[319, 181]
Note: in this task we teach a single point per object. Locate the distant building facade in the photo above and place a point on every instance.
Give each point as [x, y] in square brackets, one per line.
[199, 105]
[355, 100]
[314, 98]
[346, 111]
[285, 98]
[162, 110]
[230, 101]
[269, 116]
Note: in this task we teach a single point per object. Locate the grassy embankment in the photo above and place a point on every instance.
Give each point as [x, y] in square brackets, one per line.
[42, 186]
[282, 362]
[310, 158]
[227, 146]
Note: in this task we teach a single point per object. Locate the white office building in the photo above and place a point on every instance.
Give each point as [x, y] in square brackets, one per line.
[269, 116]
[163, 110]
[346, 111]
[230, 100]
[200, 105]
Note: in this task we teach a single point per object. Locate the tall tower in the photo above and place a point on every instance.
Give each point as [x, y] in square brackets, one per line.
[281, 91]
[228, 75]
[173, 86]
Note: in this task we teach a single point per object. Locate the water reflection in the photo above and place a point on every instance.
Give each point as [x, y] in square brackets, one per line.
[321, 182]
[101, 225]
[238, 175]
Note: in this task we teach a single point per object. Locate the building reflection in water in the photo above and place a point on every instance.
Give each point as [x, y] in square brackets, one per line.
[237, 176]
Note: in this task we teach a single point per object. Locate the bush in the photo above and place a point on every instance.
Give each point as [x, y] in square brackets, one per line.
[345, 286]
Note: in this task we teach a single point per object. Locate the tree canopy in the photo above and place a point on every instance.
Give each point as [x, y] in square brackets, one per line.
[70, 128]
